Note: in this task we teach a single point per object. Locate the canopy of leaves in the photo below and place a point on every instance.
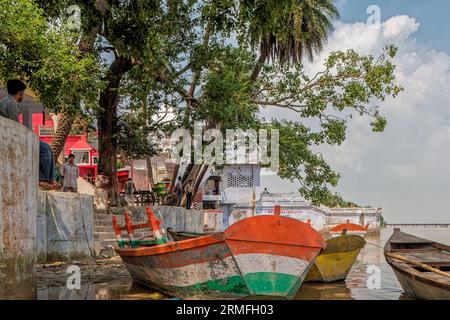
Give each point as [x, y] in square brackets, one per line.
[133, 140]
[199, 59]
[337, 201]
[43, 55]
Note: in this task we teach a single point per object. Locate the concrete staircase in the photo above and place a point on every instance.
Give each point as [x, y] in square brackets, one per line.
[103, 230]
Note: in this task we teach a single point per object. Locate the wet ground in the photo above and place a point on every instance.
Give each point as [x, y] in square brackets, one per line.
[109, 279]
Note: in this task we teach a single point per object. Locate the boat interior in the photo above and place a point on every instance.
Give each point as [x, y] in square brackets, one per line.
[429, 253]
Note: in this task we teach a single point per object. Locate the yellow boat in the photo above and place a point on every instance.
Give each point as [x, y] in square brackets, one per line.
[335, 262]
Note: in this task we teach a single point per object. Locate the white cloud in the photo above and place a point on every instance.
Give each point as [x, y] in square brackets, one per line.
[405, 169]
[399, 27]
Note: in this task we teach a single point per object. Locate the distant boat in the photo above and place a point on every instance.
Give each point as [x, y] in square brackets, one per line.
[421, 266]
[336, 260]
[257, 256]
[351, 229]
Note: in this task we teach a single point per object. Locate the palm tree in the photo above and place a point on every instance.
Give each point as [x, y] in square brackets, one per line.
[65, 121]
[285, 31]
[300, 29]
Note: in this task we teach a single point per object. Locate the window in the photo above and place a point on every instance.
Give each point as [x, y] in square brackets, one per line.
[81, 157]
[46, 131]
[239, 181]
[94, 160]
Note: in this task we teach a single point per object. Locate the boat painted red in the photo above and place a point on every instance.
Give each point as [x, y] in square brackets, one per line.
[349, 229]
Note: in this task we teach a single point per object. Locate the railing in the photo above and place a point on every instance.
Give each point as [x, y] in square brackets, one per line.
[156, 233]
[418, 225]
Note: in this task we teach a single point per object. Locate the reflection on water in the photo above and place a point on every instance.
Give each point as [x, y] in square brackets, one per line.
[116, 290]
[355, 287]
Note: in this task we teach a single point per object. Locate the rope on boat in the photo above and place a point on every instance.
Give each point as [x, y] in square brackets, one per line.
[373, 244]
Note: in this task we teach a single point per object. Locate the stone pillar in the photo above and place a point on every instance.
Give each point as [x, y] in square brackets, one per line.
[19, 167]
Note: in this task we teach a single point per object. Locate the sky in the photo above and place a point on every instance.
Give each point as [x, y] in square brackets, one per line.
[406, 169]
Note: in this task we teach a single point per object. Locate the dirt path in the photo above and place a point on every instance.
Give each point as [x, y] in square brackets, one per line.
[92, 271]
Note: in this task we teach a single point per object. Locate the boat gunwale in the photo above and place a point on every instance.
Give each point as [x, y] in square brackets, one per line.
[170, 247]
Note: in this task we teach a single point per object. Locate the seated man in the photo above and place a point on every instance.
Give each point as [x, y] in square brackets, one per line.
[46, 167]
[9, 108]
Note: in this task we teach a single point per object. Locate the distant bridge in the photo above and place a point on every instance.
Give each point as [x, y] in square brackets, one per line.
[418, 225]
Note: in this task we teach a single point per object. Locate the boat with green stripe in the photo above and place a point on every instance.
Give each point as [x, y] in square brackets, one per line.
[257, 256]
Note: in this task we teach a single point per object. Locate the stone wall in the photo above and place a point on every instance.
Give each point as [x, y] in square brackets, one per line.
[69, 227]
[19, 167]
[177, 218]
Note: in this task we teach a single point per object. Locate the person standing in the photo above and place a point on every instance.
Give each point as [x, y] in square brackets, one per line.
[70, 173]
[189, 189]
[130, 188]
[9, 108]
[179, 189]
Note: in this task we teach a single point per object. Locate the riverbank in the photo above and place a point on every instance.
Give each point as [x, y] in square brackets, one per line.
[108, 278]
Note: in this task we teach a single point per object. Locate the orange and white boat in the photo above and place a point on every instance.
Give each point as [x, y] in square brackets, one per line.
[349, 229]
[258, 256]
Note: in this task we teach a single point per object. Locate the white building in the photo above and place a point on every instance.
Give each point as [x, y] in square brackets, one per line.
[292, 206]
[296, 207]
[361, 216]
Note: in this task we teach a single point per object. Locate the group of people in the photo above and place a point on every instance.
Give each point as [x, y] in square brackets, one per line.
[188, 190]
[9, 108]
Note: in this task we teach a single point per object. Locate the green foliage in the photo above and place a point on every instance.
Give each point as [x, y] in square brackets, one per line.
[133, 139]
[183, 61]
[299, 163]
[336, 200]
[226, 93]
[348, 82]
[44, 55]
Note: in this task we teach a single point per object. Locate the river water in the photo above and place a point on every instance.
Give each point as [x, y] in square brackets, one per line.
[371, 278]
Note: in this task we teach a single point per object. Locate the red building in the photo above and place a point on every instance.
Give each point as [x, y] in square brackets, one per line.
[86, 156]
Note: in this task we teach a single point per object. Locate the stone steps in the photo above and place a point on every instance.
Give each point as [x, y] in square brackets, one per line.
[104, 235]
[103, 228]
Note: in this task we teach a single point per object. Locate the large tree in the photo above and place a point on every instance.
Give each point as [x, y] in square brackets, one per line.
[220, 62]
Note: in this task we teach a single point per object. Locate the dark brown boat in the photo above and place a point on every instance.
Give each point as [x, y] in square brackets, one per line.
[421, 266]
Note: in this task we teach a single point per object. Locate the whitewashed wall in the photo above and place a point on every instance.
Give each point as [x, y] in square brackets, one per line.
[19, 174]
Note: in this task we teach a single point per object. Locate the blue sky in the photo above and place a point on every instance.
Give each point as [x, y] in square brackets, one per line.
[433, 16]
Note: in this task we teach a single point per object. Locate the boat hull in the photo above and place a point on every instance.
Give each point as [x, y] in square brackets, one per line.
[235, 264]
[418, 288]
[194, 273]
[336, 261]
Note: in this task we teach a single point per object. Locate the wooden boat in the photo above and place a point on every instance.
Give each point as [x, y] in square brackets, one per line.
[336, 260]
[421, 266]
[258, 256]
[351, 229]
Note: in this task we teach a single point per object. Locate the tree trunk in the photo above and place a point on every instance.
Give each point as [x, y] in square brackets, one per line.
[151, 181]
[107, 124]
[62, 131]
[173, 179]
[258, 67]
